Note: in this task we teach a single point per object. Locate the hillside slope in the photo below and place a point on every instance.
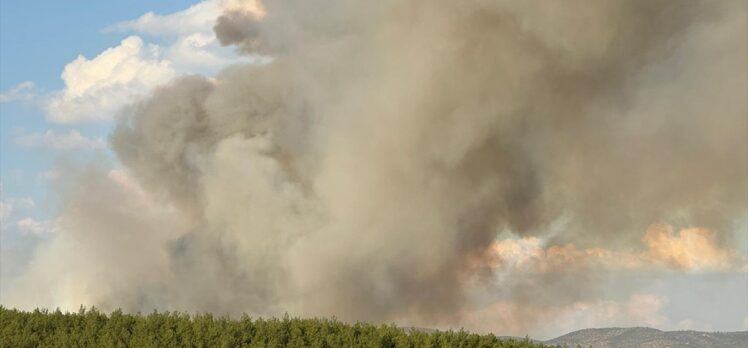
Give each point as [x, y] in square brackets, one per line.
[641, 337]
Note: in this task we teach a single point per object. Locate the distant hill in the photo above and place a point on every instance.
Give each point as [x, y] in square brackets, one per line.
[642, 337]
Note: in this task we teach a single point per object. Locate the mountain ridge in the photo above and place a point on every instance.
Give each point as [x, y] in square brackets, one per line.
[645, 337]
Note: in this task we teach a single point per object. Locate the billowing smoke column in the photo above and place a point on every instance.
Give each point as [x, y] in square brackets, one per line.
[365, 170]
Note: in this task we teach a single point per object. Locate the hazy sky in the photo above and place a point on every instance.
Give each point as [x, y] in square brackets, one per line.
[70, 69]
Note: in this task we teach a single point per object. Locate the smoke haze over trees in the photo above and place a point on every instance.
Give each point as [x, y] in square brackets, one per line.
[367, 167]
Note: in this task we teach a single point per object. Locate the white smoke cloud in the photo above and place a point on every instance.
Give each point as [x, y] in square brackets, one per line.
[689, 250]
[36, 227]
[72, 140]
[96, 89]
[549, 322]
[24, 91]
[10, 205]
[198, 18]
[190, 46]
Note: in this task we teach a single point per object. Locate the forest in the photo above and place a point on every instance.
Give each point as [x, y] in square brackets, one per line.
[92, 328]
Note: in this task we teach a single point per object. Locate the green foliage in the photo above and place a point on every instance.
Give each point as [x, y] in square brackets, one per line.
[91, 328]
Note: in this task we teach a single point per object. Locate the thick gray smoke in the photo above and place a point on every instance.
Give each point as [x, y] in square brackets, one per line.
[366, 169]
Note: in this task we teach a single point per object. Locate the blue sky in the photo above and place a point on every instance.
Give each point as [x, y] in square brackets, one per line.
[37, 40]
[43, 124]
[46, 121]
[40, 37]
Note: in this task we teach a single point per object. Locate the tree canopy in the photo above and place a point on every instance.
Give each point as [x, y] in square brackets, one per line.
[91, 328]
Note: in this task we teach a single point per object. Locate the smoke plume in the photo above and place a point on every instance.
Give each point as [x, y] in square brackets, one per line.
[365, 170]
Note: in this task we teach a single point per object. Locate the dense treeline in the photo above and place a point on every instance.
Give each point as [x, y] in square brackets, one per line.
[91, 328]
